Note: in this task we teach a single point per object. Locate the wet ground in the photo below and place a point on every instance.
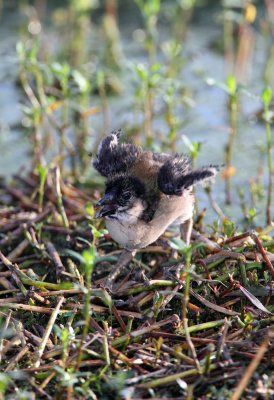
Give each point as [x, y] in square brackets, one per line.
[206, 121]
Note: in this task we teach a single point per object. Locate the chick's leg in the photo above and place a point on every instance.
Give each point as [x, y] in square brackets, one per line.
[124, 259]
[186, 229]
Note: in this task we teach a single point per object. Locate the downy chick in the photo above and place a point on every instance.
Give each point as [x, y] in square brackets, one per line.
[145, 192]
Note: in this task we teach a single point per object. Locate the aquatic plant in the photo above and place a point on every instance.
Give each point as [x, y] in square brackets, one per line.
[268, 115]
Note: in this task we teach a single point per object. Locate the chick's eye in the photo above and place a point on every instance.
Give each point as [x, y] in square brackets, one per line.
[126, 196]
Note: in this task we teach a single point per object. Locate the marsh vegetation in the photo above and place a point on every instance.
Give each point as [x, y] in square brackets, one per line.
[187, 76]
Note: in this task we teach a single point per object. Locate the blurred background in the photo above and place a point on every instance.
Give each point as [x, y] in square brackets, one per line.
[189, 76]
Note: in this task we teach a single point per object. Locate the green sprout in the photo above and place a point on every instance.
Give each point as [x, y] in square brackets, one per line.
[268, 115]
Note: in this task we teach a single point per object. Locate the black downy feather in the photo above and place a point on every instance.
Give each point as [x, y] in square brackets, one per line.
[175, 176]
[114, 158]
[172, 170]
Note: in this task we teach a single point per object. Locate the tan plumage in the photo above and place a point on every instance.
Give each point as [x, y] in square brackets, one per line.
[138, 234]
[145, 192]
[140, 220]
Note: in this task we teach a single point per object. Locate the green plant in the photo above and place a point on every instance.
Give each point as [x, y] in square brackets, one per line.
[148, 79]
[150, 10]
[268, 115]
[232, 89]
[42, 171]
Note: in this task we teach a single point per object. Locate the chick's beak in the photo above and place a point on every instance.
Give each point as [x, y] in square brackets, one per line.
[108, 206]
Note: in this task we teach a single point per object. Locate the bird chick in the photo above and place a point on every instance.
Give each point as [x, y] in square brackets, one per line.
[124, 199]
[145, 193]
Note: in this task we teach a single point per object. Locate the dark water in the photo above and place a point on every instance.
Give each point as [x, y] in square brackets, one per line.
[206, 121]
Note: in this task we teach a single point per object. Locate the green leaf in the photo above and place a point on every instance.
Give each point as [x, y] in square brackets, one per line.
[188, 143]
[61, 71]
[64, 336]
[149, 8]
[266, 97]
[104, 296]
[42, 171]
[81, 81]
[98, 233]
[89, 209]
[231, 84]
[142, 72]
[74, 255]
[89, 256]
[82, 6]
[178, 244]
[4, 382]
[252, 212]
[155, 67]
[253, 299]
[228, 228]
[21, 52]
